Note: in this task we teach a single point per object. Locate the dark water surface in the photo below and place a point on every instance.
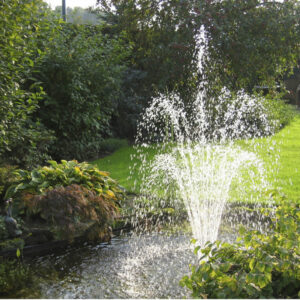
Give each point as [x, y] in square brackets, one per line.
[130, 266]
[148, 266]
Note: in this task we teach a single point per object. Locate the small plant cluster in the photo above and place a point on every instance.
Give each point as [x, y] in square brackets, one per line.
[42, 179]
[258, 265]
[71, 210]
[7, 177]
[69, 198]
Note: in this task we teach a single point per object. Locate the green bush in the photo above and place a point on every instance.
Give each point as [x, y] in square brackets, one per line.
[258, 265]
[279, 109]
[112, 144]
[43, 179]
[245, 116]
[72, 211]
[26, 27]
[82, 76]
[7, 177]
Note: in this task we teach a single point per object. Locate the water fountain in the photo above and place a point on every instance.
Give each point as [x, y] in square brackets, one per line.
[194, 158]
[190, 161]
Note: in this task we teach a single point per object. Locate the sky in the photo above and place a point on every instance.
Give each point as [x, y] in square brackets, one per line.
[72, 3]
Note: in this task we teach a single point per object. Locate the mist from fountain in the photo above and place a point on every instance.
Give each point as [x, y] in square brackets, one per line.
[189, 155]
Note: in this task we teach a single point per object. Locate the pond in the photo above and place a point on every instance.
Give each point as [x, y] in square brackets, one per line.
[130, 266]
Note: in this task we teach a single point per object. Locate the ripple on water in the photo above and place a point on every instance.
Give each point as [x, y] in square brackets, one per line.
[148, 266]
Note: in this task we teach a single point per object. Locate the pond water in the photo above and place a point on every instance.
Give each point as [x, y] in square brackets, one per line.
[147, 266]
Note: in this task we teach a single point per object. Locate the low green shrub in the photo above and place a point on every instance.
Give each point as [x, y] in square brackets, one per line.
[258, 265]
[112, 144]
[278, 109]
[7, 177]
[71, 211]
[42, 179]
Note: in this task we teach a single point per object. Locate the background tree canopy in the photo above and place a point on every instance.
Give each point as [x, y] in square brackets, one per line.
[82, 76]
[250, 42]
[66, 87]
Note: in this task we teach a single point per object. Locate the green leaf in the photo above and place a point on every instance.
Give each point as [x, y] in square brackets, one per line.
[196, 249]
[18, 253]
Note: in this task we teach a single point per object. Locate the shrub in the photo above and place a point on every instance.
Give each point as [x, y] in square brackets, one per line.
[25, 28]
[112, 144]
[245, 116]
[7, 177]
[71, 210]
[258, 265]
[278, 109]
[42, 179]
[82, 75]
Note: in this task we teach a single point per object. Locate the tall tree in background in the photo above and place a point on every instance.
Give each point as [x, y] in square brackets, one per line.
[82, 77]
[249, 41]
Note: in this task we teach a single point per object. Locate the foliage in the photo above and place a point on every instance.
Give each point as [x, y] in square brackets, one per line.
[258, 265]
[14, 275]
[279, 110]
[70, 210]
[112, 144]
[135, 94]
[3, 230]
[247, 45]
[245, 116]
[160, 46]
[81, 75]
[42, 179]
[7, 177]
[25, 29]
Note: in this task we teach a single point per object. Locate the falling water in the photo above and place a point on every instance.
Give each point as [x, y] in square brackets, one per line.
[189, 154]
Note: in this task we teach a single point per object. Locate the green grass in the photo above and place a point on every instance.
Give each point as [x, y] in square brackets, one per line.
[284, 175]
[287, 147]
[117, 164]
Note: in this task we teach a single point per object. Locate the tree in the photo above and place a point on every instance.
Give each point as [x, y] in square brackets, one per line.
[250, 42]
[82, 76]
[26, 27]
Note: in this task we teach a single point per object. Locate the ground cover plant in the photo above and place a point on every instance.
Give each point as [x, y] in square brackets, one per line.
[285, 143]
[280, 154]
[43, 179]
[258, 265]
[66, 199]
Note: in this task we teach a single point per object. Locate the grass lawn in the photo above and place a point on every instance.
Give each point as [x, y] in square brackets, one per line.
[287, 148]
[280, 153]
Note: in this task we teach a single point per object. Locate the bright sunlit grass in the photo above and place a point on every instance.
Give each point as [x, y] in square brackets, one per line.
[287, 148]
[280, 154]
